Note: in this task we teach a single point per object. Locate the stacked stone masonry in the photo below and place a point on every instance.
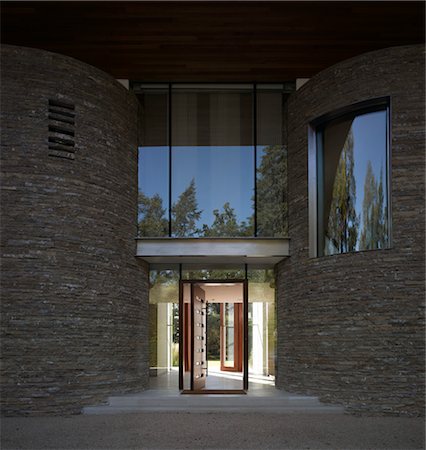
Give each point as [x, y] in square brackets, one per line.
[74, 310]
[74, 299]
[351, 326]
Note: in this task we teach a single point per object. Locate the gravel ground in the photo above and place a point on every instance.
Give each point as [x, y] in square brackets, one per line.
[213, 431]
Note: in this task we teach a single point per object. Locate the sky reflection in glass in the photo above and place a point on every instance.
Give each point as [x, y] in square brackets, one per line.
[356, 202]
[221, 175]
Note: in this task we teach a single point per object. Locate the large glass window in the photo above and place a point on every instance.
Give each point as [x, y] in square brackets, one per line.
[153, 167]
[271, 162]
[352, 175]
[212, 160]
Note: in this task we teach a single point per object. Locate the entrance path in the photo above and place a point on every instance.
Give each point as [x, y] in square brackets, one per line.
[212, 431]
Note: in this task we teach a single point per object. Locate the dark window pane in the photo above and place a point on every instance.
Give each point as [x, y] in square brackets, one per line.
[354, 179]
[153, 166]
[271, 171]
[212, 162]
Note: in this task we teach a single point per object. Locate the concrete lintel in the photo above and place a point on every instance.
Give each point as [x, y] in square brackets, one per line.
[213, 250]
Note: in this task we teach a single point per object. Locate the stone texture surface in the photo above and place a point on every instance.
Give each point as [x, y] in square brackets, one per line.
[74, 299]
[351, 326]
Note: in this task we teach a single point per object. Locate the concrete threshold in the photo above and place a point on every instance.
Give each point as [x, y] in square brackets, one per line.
[158, 401]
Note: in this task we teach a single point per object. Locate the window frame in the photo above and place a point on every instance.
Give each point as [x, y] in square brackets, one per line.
[315, 200]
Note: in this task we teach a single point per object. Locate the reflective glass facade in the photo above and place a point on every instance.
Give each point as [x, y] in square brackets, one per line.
[353, 206]
[212, 160]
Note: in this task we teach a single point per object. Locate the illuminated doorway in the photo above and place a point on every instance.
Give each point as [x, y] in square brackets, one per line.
[214, 342]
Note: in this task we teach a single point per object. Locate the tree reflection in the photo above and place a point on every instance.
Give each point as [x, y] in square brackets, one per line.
[272, 202]
[185, 213]
[226, 224]
[343, 222]
[271, 207]
[152, 222]
[374, 212]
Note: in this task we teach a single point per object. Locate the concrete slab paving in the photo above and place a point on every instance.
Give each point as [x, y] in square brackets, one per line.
[212, 431]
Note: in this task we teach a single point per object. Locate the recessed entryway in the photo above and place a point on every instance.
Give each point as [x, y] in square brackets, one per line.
[209, 333]
[214, 342]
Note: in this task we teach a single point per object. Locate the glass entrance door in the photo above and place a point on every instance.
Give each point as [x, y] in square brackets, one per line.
[214, 340]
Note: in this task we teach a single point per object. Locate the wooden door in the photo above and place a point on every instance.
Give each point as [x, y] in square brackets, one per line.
[199, 350]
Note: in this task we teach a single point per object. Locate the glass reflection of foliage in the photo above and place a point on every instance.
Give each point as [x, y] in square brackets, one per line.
[226, 224]
[185, 213]
[152, 221]
[374, 233]
[272, 207]
[213, 274]
[163, 286]
[272, 203]
[343, 222]
[213, 332]
[266, 276]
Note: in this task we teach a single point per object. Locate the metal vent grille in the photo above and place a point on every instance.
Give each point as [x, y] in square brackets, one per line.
[61, 129]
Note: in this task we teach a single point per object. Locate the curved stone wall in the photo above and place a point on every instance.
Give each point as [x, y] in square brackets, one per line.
[351, 326]
[74, 299]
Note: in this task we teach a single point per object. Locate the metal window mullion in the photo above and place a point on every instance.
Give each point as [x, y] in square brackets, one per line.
[255, 157]
[170, 158]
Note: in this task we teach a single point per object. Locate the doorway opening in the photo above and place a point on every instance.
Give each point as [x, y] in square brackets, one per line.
[170, 363]
[214, 342]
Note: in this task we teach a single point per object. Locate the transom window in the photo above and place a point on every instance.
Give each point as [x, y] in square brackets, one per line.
[212, 160]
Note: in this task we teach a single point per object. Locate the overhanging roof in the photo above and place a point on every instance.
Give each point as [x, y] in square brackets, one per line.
[212, 41]
[261, 251]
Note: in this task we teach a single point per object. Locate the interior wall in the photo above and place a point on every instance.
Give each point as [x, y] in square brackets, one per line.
[351, 326]
[74, 309]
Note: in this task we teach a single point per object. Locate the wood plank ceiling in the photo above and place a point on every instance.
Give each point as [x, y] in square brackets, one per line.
[212, 41]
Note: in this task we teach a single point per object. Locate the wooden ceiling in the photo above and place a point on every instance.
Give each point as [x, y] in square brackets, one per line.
[212, 41]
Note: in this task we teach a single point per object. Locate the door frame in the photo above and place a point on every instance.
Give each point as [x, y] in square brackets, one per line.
[182, 331]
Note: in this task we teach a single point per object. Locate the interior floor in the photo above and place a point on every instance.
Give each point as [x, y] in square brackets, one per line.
[216, 380]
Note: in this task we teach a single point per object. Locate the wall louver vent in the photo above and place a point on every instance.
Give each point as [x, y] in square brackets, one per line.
[61, 129]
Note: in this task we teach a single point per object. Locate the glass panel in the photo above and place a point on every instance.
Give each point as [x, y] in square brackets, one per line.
[229, 334]
[195, 273]
[164, 326]
[153, 172]
[213, 334]
[355, 191]
[212, 154]
[271, 164]
[262, 326]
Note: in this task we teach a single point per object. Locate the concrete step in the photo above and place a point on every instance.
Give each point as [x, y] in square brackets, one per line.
[147, 401]
[210, 401]
[301, 409]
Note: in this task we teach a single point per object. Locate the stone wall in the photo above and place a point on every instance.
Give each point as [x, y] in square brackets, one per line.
[74, 299]
[351, 326]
